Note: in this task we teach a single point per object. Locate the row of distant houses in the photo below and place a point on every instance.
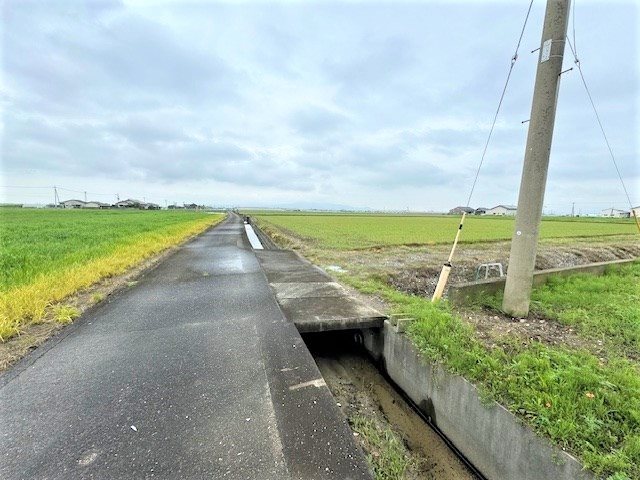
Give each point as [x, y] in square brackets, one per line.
[511, 210]
[497, 210]
[187, 206]
[617, 213]
[129, 203]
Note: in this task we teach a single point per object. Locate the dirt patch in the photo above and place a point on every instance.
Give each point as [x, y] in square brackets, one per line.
[35, 334]
[422, 279]
[361, 391]
[494, 328]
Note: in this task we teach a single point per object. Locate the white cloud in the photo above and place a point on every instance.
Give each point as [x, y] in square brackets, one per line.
[350, 103]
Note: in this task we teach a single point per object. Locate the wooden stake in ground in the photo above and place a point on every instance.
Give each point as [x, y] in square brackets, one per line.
[633, 212]
[446, 268]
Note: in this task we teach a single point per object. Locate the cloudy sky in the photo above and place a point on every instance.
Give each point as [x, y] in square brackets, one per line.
[383, 105]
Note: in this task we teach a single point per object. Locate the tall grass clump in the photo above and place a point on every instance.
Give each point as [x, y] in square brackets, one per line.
[385, 449]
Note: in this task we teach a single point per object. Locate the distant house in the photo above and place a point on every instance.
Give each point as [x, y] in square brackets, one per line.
[73, 203]
[149, 206]
[636, 211]
[614, 212]
[460, 210]
[480, 211]
[128, 203]
[101, 205]
[190, 206]
[502, 210]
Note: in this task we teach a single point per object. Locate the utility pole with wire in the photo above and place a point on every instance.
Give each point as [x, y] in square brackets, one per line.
[446, 268]
[517, 292]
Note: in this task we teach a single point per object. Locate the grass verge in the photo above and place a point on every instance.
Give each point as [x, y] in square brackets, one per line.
[589, 407]
[603, 307]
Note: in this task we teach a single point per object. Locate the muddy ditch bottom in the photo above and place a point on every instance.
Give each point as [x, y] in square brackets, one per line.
[365, 396]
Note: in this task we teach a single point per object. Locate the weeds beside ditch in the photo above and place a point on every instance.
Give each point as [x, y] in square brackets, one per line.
[386, 454]
[588, 407]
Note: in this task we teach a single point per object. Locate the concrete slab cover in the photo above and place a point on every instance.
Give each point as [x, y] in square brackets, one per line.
[308, 290]
[310, 298]
[339, 312]
[297, 276]
[327, 307]
[282, 261]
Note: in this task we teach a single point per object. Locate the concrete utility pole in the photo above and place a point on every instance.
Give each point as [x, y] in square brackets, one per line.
[522, 259]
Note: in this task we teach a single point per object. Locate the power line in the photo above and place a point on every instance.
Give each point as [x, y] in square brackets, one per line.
[573, 25]
[595, 111]
[87, 192]
[56, 190]
[59, 188]
[446, 268]
[36, 195]
[504, 91]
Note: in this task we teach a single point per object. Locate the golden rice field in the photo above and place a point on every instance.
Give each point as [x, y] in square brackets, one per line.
[47, 255]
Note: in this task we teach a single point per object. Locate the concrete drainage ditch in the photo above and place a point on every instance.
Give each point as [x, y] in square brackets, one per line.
[377, 373]
[368, 400]
[493, 439]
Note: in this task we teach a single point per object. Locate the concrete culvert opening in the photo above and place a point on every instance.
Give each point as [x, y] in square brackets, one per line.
[397, 440]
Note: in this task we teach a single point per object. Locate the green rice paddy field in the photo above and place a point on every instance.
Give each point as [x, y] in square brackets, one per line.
[47, 255]
[584, 397]
[346, 232]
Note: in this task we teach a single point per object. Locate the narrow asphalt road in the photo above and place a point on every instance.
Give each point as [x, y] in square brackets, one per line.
[191, 373]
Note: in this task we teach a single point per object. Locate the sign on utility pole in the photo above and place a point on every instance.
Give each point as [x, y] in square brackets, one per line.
[522, 259]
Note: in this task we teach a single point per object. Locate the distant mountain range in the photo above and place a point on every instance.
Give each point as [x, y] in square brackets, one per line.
[314, 206]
